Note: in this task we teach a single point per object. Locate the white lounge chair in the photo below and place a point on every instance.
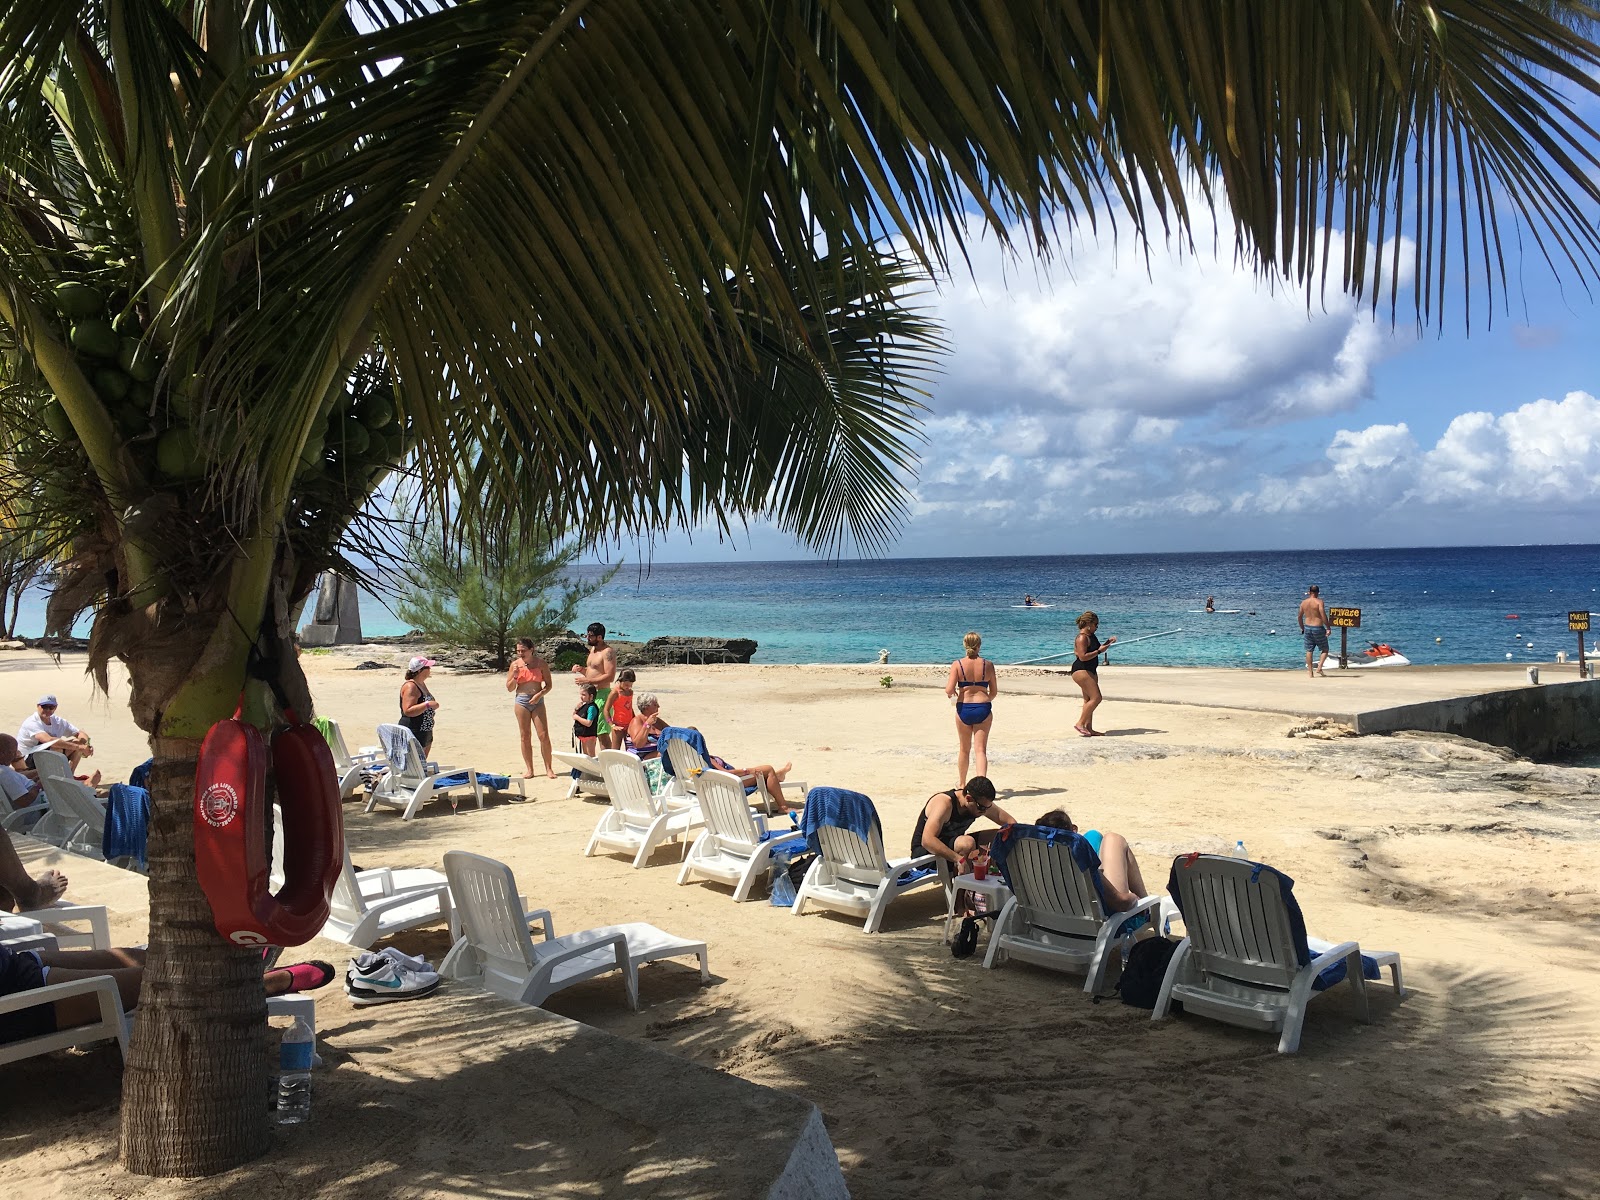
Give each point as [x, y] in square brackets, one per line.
[351, 768]
[851, 874]
[75, 926]
[497, 951]
[74, 799]
[1056, 917]
[688, 765]
[735, 846]
[587, 781]
[407, 785]
[367, 906]
[1247, 959]
[637, 821]
[113, 1022]
[39, 820]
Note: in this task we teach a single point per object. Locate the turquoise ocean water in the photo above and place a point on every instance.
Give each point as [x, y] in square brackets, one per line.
[918, 609]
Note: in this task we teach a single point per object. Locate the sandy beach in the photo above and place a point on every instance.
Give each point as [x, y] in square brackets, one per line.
[934, 1075]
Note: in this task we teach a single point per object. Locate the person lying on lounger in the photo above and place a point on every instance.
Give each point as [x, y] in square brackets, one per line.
[23, 970]
[1120, 878]
[946, 819]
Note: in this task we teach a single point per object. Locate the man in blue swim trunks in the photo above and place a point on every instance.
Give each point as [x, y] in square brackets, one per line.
[1314, 628]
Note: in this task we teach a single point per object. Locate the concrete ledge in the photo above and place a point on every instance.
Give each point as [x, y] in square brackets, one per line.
[1540, 722]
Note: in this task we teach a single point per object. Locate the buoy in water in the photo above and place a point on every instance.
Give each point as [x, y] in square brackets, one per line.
[1508, 656]
[1438, 641]
[1513, 617]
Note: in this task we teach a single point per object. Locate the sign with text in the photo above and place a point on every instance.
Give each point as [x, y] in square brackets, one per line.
[1345, 618]
[1578, 622]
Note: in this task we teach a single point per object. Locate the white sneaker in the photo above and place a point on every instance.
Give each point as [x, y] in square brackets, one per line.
[416, 966]
[374, 979]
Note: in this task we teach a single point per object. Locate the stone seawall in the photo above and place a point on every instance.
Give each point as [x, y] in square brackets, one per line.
[1541, 722]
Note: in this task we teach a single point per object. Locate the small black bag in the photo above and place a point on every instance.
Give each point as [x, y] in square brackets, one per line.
[798, 868]
[1140, 984]
[966, 941]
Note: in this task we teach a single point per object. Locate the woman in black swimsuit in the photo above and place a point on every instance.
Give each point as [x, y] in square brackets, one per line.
[1086, 670]
[417, 704]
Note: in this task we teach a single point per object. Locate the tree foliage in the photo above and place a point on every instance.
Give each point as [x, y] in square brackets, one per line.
[484, 596]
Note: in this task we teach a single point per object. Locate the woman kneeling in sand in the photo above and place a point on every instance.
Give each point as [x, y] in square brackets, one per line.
[1119, 869]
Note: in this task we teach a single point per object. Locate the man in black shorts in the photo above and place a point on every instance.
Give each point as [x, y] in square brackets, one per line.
[943, 826]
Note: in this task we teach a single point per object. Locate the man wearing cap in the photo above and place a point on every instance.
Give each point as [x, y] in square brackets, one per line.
[47, 731]
[417, 704]
[600, 670]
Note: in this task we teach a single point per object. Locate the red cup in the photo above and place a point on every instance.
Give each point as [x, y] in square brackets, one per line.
[980, 869]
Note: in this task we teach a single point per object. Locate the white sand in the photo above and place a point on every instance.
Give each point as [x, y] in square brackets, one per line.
[939, 1077]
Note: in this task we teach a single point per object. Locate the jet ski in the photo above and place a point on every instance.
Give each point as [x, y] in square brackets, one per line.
[1377, 654]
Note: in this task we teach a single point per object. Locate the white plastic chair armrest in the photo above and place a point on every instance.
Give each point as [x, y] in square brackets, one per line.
[105, 985]
[410, 896]
[1333, 954]
[542, 915]
[384, 877]
[618, 942]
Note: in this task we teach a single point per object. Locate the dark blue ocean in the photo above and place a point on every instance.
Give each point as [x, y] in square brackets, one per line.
[1448, 605]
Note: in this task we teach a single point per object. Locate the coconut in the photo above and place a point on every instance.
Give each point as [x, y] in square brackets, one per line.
[137, 360]
[79, 300]
[96, 337]
[352, 438]
[178, 455]
[111, 383]
[375, 410]
[57, 421]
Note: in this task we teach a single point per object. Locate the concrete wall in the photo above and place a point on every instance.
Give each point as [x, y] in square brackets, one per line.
[1541, 722]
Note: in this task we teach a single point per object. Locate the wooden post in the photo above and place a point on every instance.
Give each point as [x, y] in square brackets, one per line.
[1344, 647]
[1578, 622]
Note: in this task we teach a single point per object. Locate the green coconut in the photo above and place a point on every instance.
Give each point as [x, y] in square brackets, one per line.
[130, 418]
[57, 421]
[111, 383]
[375, 410]
[311, 454]
[79, 300]
[352, 438]
[137, 360]
[96, 337]
[178, 455]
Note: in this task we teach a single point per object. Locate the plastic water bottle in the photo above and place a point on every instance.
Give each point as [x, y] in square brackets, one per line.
[1238, 849]
[294, 1073]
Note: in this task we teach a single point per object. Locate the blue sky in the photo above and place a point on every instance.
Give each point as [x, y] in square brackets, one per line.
[1101, 407]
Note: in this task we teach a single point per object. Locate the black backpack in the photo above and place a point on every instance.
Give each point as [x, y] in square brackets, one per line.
[1140, 984]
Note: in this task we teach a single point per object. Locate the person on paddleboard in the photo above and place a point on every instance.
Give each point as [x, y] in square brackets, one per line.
[1211, 604]
[1314, 629]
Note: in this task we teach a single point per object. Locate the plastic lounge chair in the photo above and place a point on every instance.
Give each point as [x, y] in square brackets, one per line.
[1057, 915]
[39, 820]
[497, 951]
[62, 920]
[352, 769]
[736, 847]
[1247, 959]
[688, 765]
[113, 1023]
[851, 874]
[407, 785]
[637, 821]
[586, 777]
[367, 906]
[73, 799]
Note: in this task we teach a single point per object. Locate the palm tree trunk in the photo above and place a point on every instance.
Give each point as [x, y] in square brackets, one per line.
[194, 1094]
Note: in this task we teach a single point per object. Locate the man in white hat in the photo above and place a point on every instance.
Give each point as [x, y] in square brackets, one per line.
[47, 731]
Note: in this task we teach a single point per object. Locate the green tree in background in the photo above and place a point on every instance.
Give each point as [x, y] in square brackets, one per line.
[625, 263]
[484, 597]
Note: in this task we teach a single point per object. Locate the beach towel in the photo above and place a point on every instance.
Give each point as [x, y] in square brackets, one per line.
[397, 742]
[325, 728]
[678, 733]
[139, 777]
[1297, 922]
[841, 809]
[498, 783]
[127, 823]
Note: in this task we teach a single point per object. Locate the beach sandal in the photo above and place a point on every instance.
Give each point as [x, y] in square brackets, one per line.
[309, 976]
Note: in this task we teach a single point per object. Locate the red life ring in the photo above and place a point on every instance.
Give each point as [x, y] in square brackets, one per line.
[232, 837]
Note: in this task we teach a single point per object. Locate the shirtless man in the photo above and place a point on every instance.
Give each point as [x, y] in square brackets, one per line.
[600, 670]
[1314, 628]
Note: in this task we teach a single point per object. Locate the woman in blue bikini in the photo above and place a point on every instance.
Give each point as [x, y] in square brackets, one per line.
[529, 678]
[972, 685]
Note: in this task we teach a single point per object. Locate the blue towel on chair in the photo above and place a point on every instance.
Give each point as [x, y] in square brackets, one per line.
[498, 783]
[1297, 924]
[678, 733]
[1083, 853]
[139, 777]
[127, 823]
[842, 810]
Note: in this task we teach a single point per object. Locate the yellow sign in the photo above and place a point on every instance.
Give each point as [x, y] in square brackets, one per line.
[1344, 618]
[1578, 622]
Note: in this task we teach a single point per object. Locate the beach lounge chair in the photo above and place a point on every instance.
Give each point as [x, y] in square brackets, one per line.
[638, 821]
[1057, 915]
[39, 820]
[586, 777]
[684, 756]
[407, 784]
[75, 926]
[735, 847]
[851, 874]
[352, 769]
[73, 799]
[496, 949]
[1247, 959]
[368, 906]
[112, 1023]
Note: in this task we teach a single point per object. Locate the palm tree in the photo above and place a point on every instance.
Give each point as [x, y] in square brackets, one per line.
[625, 263]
